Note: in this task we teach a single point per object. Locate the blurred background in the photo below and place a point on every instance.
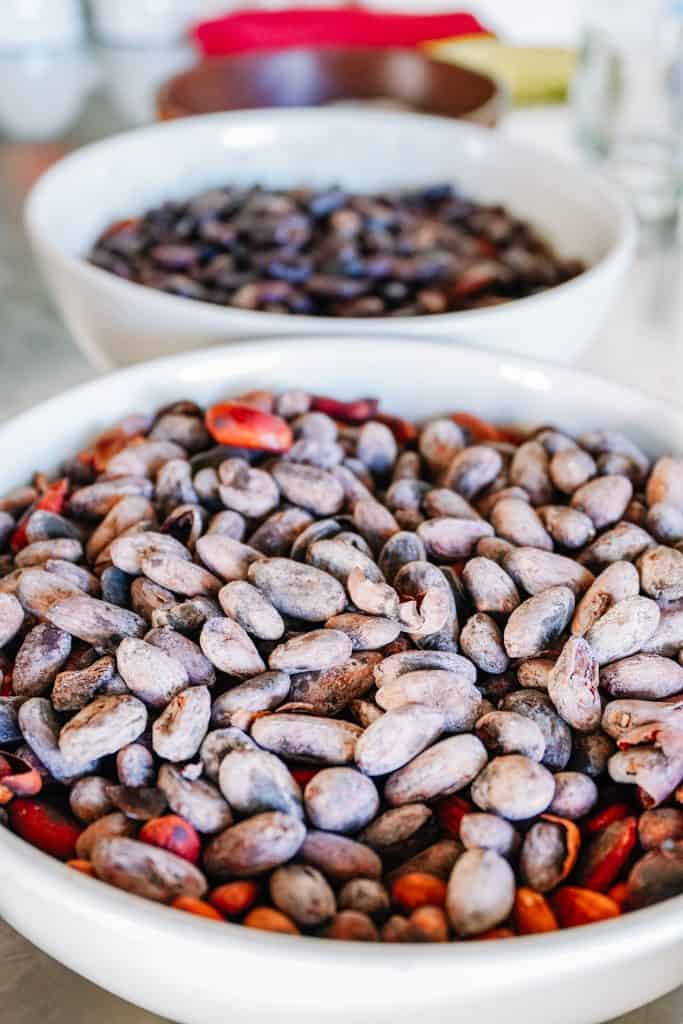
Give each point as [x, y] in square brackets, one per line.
[599, 82]
[124, 50]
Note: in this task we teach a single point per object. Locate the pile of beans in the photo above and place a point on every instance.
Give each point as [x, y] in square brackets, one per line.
[299, 664]
[332, 253]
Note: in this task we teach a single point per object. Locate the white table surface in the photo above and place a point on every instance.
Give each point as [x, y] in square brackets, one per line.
[642, 345]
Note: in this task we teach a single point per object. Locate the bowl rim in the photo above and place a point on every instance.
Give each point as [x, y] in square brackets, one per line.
[618, 255]
[637, 928]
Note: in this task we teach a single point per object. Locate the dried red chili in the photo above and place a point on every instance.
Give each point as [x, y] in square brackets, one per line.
[245, 427]
[304, 775]
[51, 501]
[577, 906]
[607, 854]
[6, 684]
[45, 827]
[234, 898]
[359, 411]
[450, 813]
[532, 913]
[17, 778]
[200, 908]
[478, 429]
[605, 817]
[403, 431]
[173, 833]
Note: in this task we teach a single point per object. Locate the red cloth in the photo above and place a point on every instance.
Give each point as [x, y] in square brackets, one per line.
[315, 27]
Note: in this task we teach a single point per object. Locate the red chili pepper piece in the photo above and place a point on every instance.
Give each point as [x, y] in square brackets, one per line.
[234, 898]
[479, 430]
[513, 435]
[17, 778]
[44, 827]
[359, 411]
[607, 855]
[486, 248]
[130, 430]
[575, 906]
[493, 933]
[245, 427]
[475, 279]
[173, 833]
[191, 905]
[52, 501]
[605, 817]
[119, 226]
[304, 775]
[6, 685]
[403, 431]
[106, 447]
[450, 811]
[256, 399]
[619, 893]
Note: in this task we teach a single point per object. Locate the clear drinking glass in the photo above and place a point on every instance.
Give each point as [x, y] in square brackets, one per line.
[628, 99]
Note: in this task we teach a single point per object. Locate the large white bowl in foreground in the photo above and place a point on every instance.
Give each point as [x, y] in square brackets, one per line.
[199, 972]
[117, 322]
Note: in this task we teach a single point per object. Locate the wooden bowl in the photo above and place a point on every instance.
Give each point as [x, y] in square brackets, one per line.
[312, 78]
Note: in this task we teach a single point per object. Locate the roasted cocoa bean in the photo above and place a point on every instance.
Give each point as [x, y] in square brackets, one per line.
[452, 694]
[536, 571]
[149, 673]
[253, 781]
[298, 590]
[39, 659]
[255, 846]
[444, 768]
[317, 651]
[340, 858]
[481, 892]
[623, 629]
[515, 787]
[517, 522]
[488, 832]
[573, 685]
[575, 795]
[196, 801]
[230, 649]
[328, 692]
[615, 583]
[179, 730]
[340, 800]
[103, 727]
[307, 738]
[302, 892]
[397, 737]
[491, 588]
[146, 870]
[89, 799]
[506, 732]
[537, 622]
[482, 642]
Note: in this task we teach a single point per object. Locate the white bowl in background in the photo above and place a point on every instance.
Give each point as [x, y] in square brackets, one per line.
[117, 322]
[200, 972]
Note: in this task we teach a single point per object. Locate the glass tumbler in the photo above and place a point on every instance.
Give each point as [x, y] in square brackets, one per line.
[627, 97]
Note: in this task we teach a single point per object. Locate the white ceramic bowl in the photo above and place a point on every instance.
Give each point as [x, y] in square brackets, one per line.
[200, 972]
[117, 322]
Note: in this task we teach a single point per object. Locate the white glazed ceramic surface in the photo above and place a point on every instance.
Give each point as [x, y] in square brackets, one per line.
[117, 322]
[199, 972]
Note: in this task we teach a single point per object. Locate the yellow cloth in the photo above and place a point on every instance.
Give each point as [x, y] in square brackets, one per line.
[532, 74]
